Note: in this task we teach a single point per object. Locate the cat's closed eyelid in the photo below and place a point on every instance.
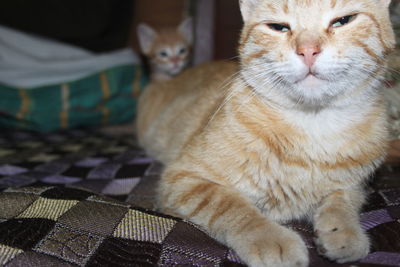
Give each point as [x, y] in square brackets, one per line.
[276, 26]
[343, 20]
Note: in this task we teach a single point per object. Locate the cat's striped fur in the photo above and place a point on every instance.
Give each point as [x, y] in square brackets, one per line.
[248, 147]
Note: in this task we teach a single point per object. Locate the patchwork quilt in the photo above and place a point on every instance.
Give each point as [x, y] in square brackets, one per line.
[81, 198]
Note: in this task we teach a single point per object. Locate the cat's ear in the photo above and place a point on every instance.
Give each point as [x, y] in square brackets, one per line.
[247, 7]
[146, 35]
[186, 29]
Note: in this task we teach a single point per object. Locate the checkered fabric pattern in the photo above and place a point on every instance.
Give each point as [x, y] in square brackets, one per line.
[80, 198]
[80, 159]
[43, 226]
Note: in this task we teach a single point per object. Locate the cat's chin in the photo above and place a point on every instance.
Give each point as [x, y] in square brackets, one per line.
[311, 81]
[175, 71]
[312, 92]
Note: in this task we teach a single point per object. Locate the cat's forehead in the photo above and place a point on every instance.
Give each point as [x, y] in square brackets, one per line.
[305, 11]
[294, 5]
[311, 14]
[171, 38]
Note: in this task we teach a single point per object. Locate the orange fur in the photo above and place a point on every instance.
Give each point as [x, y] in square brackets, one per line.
[168, 50]
[242, 155]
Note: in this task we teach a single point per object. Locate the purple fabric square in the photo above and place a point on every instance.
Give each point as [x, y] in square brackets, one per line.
[125, 157]
[60, 179]
[120, 187]
[6, 170]
[383, 258]
[37, 175]
[106, 171]
[374, 218]
[141, 160]
[16, 181]
[91, 162]
[53, 167]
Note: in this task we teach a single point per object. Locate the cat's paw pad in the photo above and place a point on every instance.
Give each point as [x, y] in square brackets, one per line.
[284, 250]
[342, 243]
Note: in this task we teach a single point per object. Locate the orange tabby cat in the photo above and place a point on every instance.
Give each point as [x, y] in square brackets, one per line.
[167, 49]
[295, 133]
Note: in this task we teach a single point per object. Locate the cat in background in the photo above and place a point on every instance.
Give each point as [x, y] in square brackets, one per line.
[294, 134]
[168, 50]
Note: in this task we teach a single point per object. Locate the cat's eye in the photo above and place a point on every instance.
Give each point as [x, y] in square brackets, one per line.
[182, 51]
[163, 54]
[279, 27]
[343, 21]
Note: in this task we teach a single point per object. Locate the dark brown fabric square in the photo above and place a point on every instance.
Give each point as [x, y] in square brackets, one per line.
[188, 245]
[394, 211]
[374, 202]
[66, 194]
[132, 171]
[123, 252]
[70, 245]
[75, 171]
[12, 204]
[386, 237]
[37, 259]
[24, 233]
[93, 217]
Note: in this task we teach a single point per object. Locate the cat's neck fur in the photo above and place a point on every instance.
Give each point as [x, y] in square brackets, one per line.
[333, 116]
[158, 75]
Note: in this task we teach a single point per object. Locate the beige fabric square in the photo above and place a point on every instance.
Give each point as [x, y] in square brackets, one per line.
[140, 226]
[93, 217]
[8, 253]
[48, 208]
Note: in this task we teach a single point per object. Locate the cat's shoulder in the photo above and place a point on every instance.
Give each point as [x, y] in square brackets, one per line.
[220, 68]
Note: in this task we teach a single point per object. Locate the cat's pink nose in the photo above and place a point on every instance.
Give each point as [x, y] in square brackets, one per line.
[309, 53]
[175, 60]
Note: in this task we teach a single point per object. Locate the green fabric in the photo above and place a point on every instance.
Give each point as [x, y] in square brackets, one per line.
[104, 98]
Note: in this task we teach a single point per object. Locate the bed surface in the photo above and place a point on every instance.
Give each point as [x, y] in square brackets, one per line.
[84, 198]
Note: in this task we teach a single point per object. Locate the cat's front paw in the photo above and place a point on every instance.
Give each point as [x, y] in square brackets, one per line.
[281, 248]
[340, 240]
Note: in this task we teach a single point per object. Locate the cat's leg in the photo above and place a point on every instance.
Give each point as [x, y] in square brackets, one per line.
[338, 232]
[231, 219]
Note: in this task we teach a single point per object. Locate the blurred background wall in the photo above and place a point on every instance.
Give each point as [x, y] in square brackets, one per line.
[105, 25]
[98, 25]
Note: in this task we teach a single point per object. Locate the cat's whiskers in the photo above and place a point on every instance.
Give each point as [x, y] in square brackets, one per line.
[241, 84]
[227, 82]
[269, 83]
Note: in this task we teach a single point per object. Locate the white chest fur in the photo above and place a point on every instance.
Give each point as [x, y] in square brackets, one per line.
[334, 155]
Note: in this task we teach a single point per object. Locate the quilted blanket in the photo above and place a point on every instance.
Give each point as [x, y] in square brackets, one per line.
[81, 198]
